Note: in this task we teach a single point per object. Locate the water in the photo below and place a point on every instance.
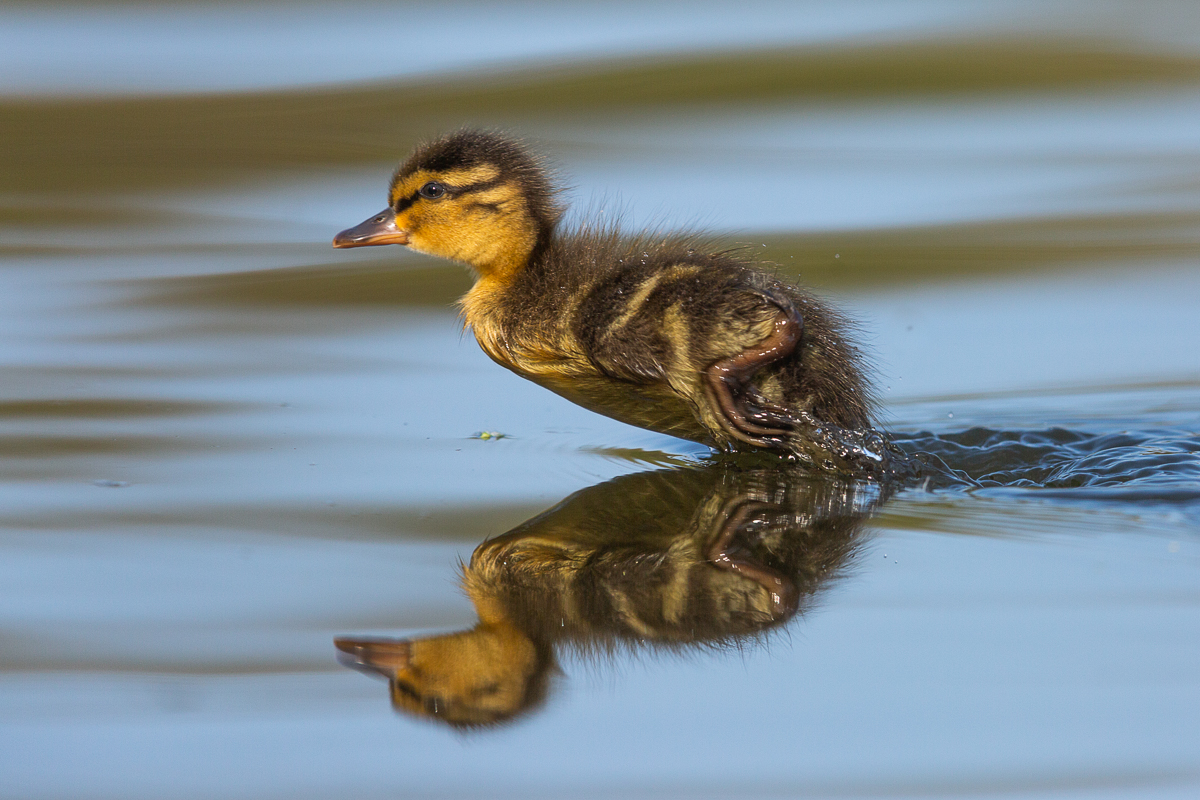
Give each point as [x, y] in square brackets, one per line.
[223, 445]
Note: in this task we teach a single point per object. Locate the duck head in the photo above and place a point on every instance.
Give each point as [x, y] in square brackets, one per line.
[473, 196]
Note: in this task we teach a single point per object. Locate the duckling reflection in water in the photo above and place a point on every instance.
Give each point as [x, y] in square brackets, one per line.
[670, 559]
[649, 330]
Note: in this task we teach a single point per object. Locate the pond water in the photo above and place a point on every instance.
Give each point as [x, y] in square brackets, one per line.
[224, 445]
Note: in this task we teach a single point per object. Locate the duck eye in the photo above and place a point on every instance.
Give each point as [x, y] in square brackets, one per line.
[432, 190]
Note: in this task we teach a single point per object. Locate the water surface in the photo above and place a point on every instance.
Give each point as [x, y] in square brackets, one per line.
[224, 444]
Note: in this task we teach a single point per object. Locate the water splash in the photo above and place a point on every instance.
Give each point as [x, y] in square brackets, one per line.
[1134, 470]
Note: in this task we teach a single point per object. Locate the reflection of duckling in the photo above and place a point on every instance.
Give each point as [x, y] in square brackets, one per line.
[674, 558]
[648, 330]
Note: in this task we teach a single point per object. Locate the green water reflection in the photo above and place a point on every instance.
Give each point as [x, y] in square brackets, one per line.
[91, 144]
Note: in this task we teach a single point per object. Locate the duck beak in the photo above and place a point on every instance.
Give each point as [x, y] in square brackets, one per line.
[379, 229]
[381, 656]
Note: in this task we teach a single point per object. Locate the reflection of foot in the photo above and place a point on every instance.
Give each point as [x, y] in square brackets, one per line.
[726, 553]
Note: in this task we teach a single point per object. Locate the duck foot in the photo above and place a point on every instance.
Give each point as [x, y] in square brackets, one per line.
[747, 415]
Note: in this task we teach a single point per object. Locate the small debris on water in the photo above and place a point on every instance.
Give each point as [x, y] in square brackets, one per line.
[490, 435]
[107, 484]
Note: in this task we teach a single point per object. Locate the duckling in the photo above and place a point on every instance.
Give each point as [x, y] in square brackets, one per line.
[656, 331]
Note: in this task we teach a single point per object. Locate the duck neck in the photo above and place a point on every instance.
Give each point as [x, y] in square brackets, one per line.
[507, 248]
[497, 274]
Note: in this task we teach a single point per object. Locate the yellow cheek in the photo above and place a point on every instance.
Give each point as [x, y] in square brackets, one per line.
[430, 215]
[407, 221]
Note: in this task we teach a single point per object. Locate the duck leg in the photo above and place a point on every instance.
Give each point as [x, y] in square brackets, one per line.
[746, 414]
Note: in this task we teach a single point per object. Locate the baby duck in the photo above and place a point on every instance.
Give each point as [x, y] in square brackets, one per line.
[650, 330]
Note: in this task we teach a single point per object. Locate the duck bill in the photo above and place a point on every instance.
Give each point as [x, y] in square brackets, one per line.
[379, 229]
[380, 656]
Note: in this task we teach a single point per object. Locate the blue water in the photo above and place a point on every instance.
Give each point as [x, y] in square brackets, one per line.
[223, 444]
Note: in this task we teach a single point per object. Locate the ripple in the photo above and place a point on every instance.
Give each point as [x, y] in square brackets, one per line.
[1058, 458]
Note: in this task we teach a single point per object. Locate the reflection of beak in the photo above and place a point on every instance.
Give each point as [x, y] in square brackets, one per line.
[379, 229]
[382, 656]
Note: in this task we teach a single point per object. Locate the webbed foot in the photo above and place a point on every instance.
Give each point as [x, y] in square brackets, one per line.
[745, 414]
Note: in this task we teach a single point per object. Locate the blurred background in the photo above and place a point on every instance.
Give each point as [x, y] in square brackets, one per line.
[222, 443]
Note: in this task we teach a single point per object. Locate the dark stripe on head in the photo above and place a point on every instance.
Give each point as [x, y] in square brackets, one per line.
[474, 148]
[452, 191]
[474, 187]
